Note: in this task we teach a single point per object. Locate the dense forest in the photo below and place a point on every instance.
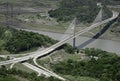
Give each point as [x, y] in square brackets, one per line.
[110, 2]
[9, 75]
[106, 67]
[84, 10]
[16, 41]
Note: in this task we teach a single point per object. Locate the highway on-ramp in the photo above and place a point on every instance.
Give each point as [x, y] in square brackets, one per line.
[53, 47]
[44, 52]
[41, 71]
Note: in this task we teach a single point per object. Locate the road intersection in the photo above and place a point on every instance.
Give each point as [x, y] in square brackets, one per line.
[44, 52]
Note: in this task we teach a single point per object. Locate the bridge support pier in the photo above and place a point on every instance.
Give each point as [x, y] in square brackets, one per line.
[74, 40]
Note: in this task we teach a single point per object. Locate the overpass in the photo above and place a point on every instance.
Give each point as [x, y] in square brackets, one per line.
[44, 52]
[53, 47]
[48, 50]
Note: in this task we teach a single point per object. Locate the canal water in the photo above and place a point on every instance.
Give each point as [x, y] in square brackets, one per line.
[86, 42]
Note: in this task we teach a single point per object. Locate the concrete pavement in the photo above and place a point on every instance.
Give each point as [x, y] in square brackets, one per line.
[53, 47]
[41, 71]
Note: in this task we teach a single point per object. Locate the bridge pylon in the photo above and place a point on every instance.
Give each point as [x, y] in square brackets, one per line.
[74, 26]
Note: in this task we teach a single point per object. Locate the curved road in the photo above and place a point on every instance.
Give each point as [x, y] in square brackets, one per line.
[53, 47]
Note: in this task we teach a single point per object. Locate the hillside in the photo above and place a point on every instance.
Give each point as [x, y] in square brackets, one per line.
[73, 64]
[84, 10]
[16, 41]
[31, 3]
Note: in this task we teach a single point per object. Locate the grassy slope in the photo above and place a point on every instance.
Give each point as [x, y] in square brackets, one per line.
[59, 56]
[20, 66]
[51, 25]
[45, 24]
[10, 78]
[78, 78]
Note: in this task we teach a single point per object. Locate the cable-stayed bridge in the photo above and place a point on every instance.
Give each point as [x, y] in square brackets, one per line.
[98, 21]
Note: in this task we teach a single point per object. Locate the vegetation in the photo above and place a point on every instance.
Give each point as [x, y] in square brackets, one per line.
[16, 41]
[80, 78]
[19, 40]
[7, 78]
[106, 67]
[68, 48]
[22, 41]
[98, 53]
[84, 10]
[30, 3]
[111, 2]
[6, 75]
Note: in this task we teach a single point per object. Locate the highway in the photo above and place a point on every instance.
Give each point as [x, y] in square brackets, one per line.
[53, 47]
[44, 52]
[47, 50]
[32, 67]
[41, 71]
[19, 55]
[115, 15]
[46, 70]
